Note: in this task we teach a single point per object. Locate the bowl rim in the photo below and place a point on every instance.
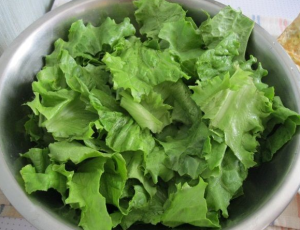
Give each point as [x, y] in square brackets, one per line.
[42, 219]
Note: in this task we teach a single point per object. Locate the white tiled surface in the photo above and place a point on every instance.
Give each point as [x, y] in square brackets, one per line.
[16, 15]
[273, 15]
[7, 223]
[288, 9]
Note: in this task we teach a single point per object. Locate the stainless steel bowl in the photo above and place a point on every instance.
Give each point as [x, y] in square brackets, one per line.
[268, 190]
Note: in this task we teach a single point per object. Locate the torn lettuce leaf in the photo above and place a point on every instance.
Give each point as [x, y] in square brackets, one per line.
[184, 39]
[184, 153]
[87, 41]
[225, 22]
[84, 191]
[236, 107]
[222, 188]
[75, 152]
[188, 205]
[150, 113]
[219, 60]
[274, 138]
[35, 181]
[138, 68]
[151, 15]
[39, 158]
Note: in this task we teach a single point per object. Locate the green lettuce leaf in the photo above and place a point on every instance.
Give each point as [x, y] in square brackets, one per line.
[138, 69]
[36, 133]
[113, 181]
[51, 78]
[51, 102]
[75, 152]
[39, 158]
[35, 181]
[257, 73]
[102, 101]
[239, 111]
[281, 127]
[61, 169]
[222, 188]
[213, 153]
[73, 121]
[184, 153]
[188, 206]
[150, 113]
[84, 191]
[178, 96]
[219, 60]
[145, 210]
[88, 41]
[65, 114]
[124, 134]
[82, 79]
[225, 22]
[184, 39]
[152, 15]
[134, 161]
[156, 165]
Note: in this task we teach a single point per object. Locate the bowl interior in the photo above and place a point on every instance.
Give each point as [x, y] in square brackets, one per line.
[20, 63]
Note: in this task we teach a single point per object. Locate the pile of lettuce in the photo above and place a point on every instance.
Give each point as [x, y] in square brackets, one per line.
[156, 126]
